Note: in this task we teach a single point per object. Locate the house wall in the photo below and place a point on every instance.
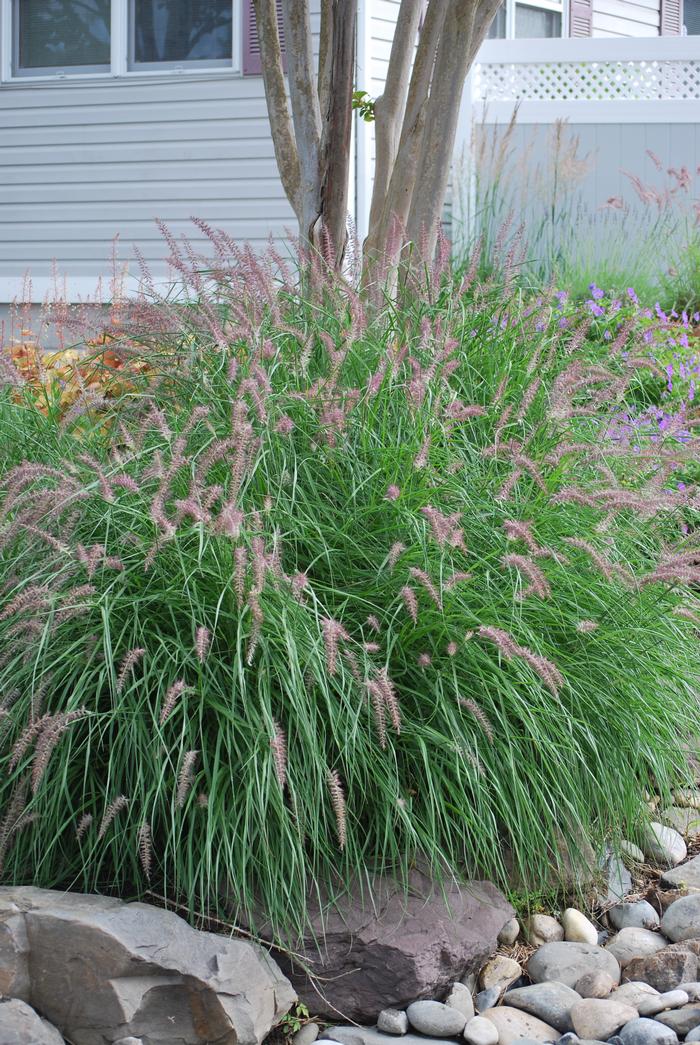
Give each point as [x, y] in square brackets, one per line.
[84, 161]
[626, 18]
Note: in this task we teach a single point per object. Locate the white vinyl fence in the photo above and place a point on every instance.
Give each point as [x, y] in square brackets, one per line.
[630, 106]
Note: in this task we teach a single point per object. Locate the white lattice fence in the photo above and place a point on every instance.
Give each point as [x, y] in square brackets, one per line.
[589, 81]
[567, 76]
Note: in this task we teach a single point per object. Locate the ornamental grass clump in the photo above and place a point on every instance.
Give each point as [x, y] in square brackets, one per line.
[336, 592]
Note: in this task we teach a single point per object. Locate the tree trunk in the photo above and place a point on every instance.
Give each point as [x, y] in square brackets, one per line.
[337, 130]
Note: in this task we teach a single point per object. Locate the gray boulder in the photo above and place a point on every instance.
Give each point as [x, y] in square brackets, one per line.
[367, 953]
[664, 845]
[637, 915]
[568, 962]
[681, 1020]
[20, 1025]
[647, 1032]
[513, 1024]
[681, 920]
[435, 1020]
[391, 1021]
[356, 1035]
[551, 1002]
[685, 876]
[635, 943]
[95, 966]
[600, 1017]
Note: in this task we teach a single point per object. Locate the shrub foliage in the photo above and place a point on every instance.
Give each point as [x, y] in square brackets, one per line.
[336, 592]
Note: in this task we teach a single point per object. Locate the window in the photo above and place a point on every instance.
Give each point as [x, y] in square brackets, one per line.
[60, 38]
[691, 17]
[533, 21]
[541, 18]
[177, 32]
[57, 35]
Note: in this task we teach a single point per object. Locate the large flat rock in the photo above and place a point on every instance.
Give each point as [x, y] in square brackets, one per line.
[95, 966]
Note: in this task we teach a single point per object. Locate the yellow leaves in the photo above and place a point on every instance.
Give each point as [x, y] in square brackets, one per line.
[55, 380]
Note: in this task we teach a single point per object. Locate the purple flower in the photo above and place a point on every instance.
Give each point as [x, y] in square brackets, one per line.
[596, 292]
[632, 295]
[595, 308]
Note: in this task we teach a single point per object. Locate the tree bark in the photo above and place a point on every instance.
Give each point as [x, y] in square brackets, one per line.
[306, 113]
[397, 201]
[466, 24]
[277, 106]
[390, 107]
[337, 129]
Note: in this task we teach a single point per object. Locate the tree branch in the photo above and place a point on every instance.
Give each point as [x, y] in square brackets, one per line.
[277, 107]
[466, 24]
[403, 177]
[390, 106]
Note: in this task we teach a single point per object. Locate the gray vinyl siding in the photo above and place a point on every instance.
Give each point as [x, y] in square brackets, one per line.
[84, 161]
[626, 18]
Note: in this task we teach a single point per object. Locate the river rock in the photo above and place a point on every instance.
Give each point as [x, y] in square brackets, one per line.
[551, 1002]
[435, 1020]
[460, 998]
[513, 1024]
[392, 1021]
[355, 1034]
[664, 845]
[636, 993]
[692, 989]
[308, 1034]
[647, 1032]
[618, 880]
[632, 852]
[487, 999]
[480, 1031]
[577, 928]
[509, 933]
[635, 943]
[681, 921]
[500, 972]
[595, 985]
[684, 876]
[568, 962]
[664, 970]
[687, 797]
[21, 1025]
[684, 820]
[637, 915]
[149, 974]
[367, 953]
[669, 1000]
[600, 1017]
[681, 1020]
[693, 1035]
[539, 929]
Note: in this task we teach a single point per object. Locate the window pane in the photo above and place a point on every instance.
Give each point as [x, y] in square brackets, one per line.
[691, 17]
[183, 30]
[535, 22]
[498, 26]
[58, 34]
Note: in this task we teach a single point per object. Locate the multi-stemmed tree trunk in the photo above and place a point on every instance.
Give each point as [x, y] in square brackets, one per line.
[435, 43]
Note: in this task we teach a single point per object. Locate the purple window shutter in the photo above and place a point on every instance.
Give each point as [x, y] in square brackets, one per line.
[581, 18]
[671, 17]
[252, 63]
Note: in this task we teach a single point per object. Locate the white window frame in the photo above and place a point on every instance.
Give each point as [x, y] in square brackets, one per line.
[558, 6]
[120, 53]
